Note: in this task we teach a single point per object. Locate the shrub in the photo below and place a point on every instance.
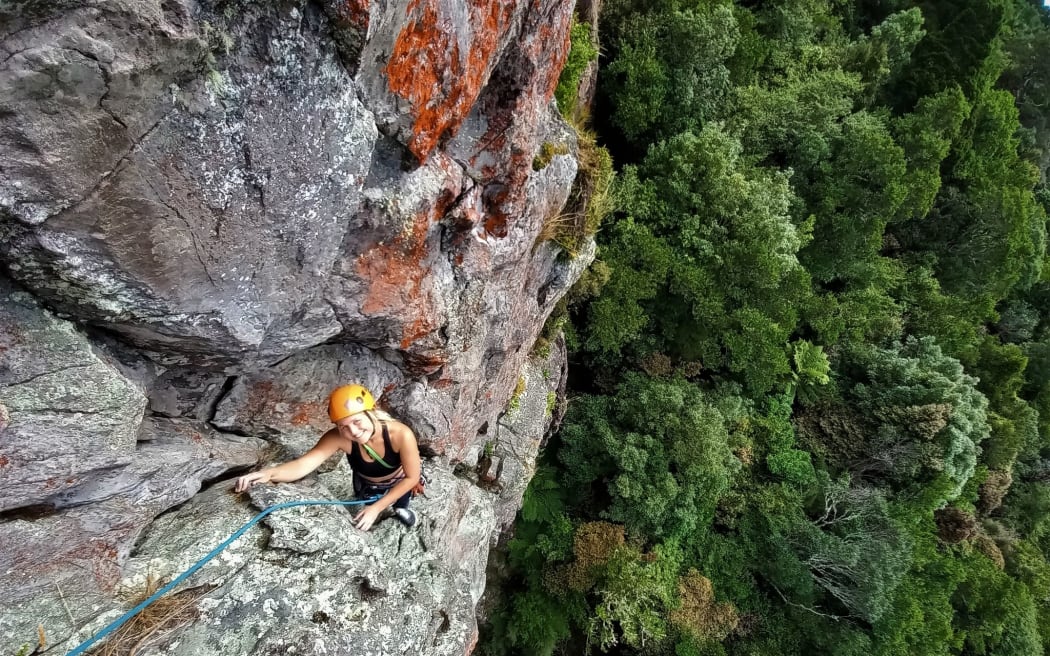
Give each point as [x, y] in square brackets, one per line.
[582, 51]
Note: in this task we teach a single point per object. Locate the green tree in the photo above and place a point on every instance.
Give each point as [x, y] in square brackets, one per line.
[811, 369]
[1018, 321]
[926, 135]
[1026, 563]
[1000, 369]
[828, 257]
[795, 122]
[776, 437]
[658, 450]
[986, 228]
[927, 414]
[1036, 389]
[961, 47]
[639, 264]
[657, 90]
[1027, 75]
[954, 321]
[884, 53]
[853, 549]
[704, 267]
[994, 614]
[631, 600]
[854, 194]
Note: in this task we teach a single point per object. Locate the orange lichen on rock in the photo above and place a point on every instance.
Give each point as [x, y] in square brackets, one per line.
[261, 398]
[511, 197]
[553, 46]
[349, 13]
[429, 69]
[357, 12]
[537, 65]
[102, 554]
[395, 279]
[264, 395]
[307, 413]
[395, 276]
[418, 329]
[496, 218]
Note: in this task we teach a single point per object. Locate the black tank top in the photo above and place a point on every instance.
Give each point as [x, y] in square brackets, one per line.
[375, 469]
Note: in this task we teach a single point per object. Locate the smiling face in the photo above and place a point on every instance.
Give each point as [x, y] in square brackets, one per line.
[357, 427]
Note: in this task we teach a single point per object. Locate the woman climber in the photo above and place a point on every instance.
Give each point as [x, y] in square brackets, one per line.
[382, 452]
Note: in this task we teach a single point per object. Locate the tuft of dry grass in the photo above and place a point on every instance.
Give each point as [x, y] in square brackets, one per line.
[560, 229]
[591, 199]
[596, 177]
[548, 152]
[154, 622]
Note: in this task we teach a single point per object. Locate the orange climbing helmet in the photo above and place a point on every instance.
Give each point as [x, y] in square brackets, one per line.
[349, 400]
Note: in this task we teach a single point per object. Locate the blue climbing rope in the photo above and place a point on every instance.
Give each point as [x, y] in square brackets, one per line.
[117, 623]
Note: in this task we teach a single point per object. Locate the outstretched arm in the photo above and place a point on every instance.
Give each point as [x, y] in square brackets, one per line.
[293, 470]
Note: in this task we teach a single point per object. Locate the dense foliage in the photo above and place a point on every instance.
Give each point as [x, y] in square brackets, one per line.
[813, 414]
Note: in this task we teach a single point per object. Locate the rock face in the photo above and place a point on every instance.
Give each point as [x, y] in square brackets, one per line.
[51, 378]
[211, 213]
[308, 582]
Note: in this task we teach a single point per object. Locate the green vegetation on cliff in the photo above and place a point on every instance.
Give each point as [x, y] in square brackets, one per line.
[813, 408]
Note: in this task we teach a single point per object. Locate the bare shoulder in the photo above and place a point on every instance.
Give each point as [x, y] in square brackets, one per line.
[329, 434]
[400, 433]
[331, 438]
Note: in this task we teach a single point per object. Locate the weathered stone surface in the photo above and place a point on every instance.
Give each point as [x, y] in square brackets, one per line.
[506, 128]
[588, 12]
[506, 460]
[242, 208]
[288, 402]
[68, 416]
[516, 442]
[308, 581]
[350, 20]
[227, 158]
[243, 205]
[394, 293]
[520, 432]
[59, 569]
[186, 392]
[438, 57]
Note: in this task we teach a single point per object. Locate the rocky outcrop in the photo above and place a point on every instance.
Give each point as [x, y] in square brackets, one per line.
[50, 378]
[248, 198]
[211, 213]
[307, 581]
[65, 557]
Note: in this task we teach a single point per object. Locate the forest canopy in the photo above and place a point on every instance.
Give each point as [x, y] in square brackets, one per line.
[811, 411]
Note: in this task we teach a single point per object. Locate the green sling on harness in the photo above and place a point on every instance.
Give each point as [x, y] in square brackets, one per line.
[420, 487]
[375, 456]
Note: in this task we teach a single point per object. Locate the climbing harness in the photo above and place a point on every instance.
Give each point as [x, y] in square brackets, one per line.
[117, 623]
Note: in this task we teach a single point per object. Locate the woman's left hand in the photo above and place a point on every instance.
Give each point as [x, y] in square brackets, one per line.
[366, 517]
